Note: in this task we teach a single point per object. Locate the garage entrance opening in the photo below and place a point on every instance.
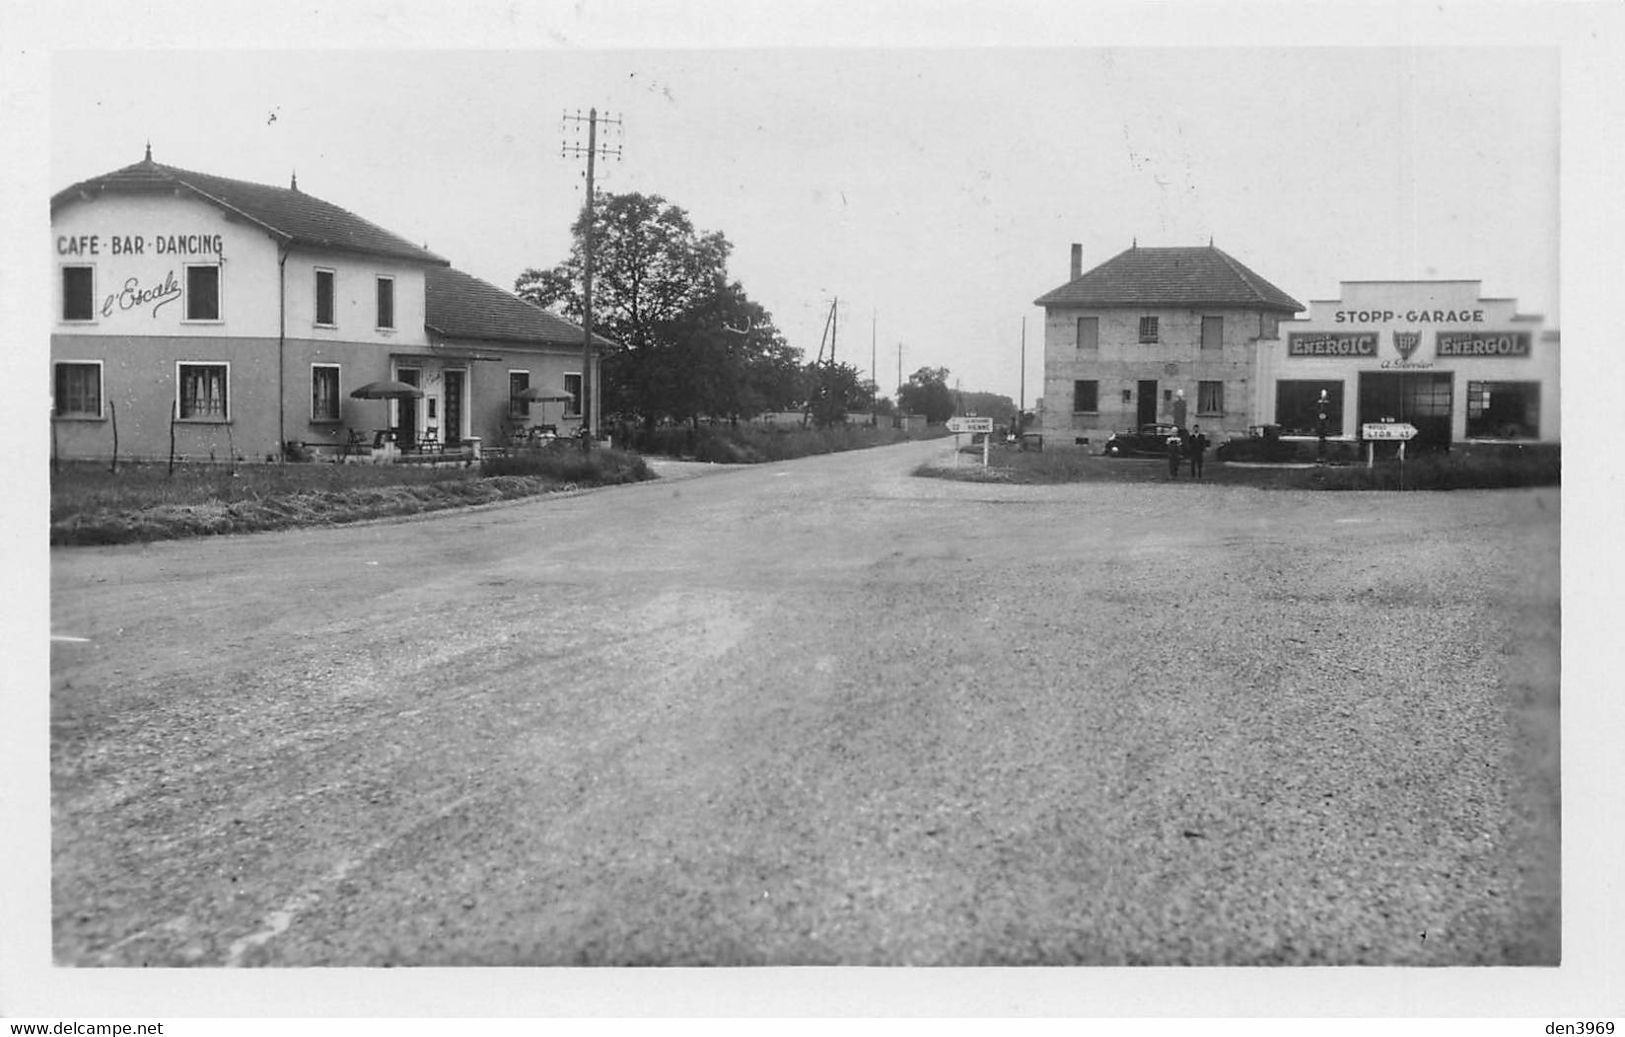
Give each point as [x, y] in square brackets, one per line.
[1419, 397]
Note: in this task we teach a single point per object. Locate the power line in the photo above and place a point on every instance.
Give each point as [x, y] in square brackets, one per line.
[592, 149]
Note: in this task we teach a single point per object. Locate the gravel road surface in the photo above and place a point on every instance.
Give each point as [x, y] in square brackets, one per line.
[820, 712]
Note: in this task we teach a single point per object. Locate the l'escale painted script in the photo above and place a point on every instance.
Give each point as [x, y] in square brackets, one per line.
[133, 295]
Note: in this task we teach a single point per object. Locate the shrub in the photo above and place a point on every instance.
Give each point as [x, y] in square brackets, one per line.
[567, 462]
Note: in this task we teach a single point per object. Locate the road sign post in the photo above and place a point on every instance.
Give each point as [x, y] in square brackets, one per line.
[956, 425]
[1403, 431]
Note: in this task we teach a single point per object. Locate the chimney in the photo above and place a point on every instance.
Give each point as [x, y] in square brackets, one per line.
[1077, 261]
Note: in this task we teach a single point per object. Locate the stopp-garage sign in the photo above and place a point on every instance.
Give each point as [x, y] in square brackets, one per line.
[1331, 343]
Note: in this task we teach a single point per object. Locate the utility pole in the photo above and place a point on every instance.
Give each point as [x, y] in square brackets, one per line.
[1021, 404]
[589, 413]
[874, 386]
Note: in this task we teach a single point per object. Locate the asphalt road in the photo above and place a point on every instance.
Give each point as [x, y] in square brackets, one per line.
[820, 712]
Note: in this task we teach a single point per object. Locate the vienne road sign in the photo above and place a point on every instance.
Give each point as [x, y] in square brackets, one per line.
[970, 424]
[1388, 430]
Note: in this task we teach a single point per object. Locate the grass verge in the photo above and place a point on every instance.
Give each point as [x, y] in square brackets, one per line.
[1474, 466]
[754, 444]
[143, 502]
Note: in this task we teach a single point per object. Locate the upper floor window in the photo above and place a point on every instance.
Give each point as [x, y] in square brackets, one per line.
[1148, 329]
[78, 389]
[386, 302]
[203, 292]
[1212, 334]
[326, 281]
[78, 293]
[203, 390]
[1088, 334]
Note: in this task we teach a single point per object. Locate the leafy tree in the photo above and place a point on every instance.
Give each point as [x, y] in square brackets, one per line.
[661, 292]
[927, 393]
[835, 390]
[993, 405]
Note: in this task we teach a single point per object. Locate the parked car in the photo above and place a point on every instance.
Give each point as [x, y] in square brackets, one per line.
[1145, 441]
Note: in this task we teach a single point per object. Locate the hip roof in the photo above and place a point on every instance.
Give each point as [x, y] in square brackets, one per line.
[1171, 277]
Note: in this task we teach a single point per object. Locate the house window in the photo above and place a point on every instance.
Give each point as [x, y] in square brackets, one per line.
[324, 392]
[1210, 397]
[325, 282]
[78, 390]
[1148, 329]
[1085, 397]
[1503, 410]
[518, 382]
[1212, 335]
[203, 292]
[78, 293]
[386, 302]
[1088, 334]
[572, 385]
[203, 391]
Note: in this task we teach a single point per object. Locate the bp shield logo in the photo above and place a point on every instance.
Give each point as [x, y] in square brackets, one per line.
[1406, 342]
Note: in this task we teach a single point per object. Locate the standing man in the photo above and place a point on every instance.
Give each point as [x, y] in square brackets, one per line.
[1174, 450]
[1195, 448]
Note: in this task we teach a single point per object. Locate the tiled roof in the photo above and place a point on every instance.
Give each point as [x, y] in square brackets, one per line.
[1170, 277]
[286, 213]
[463, 306]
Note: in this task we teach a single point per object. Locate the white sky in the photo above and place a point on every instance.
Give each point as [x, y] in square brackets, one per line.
[935, 192]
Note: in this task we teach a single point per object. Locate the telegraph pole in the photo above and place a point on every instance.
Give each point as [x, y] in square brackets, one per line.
[874, 386]
[1021, 405]
[589, 413]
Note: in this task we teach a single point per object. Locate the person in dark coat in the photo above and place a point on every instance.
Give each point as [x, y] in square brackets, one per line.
[1175, 448]
[1196, 449]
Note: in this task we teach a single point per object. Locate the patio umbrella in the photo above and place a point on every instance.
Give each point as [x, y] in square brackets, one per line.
[536, 394]
[388, 389]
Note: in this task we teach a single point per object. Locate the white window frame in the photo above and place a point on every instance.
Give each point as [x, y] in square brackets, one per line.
[333, 301]
[219, 293]
[62, 294]
[101, 392]
[378, 317]
[520, 408]
[338, 394]
[574, 400]
[224, 418]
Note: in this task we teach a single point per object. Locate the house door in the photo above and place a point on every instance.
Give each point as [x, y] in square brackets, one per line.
[1147, 402]
[406, 411]
[454, 408]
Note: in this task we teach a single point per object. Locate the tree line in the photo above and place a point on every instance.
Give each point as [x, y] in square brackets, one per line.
[689, 342]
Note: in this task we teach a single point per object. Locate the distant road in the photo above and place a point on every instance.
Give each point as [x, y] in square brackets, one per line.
[820, 712]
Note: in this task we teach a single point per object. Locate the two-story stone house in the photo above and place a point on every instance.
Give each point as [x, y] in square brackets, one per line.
[1154, 334]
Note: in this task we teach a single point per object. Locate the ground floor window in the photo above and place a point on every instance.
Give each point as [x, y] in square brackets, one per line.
[324, 392]
[1503, 410]
[572, 385]
[203, 391]
[1085, 397]
[1298, 409]
[78, 390]
[1209, 397]
[518, 382]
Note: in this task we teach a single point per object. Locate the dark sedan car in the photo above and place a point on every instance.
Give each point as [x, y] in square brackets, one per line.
[1145, 441]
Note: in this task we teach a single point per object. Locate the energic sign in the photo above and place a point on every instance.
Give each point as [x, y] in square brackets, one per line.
[1343, 343]
[1483, 343]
